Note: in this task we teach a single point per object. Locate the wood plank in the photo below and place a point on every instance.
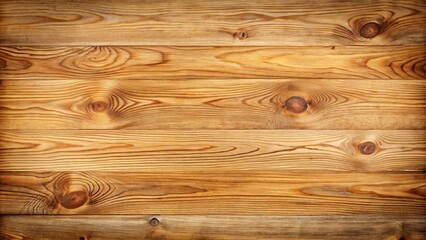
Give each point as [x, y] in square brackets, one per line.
[108, 62]
[211, 227]
[158, 150]
[232, 22]
[213, 193]
[212, 104]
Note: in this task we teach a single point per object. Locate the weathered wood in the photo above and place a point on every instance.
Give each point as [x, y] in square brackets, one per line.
[108, 62]
[211, 227]
[213, 192]
[208, 22]
[195, 150]
[212, 104]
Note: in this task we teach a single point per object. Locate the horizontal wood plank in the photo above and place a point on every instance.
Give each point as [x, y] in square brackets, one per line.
[212, 227]
[213, 193]
[232, 22]
[109, 62]
[212, 104]
[158, 150]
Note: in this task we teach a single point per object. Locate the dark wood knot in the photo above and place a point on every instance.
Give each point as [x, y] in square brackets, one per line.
[73, 199]
[367, 148]
[99, 106]
[370, 30]
[241, 35]
[154, 222]
[296, 104]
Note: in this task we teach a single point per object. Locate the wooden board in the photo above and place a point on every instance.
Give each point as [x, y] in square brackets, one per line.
[157, 62]
[212, 104]
[127, 151]
[211, 227]
[213, 193]
[185, 22]
[204, 119]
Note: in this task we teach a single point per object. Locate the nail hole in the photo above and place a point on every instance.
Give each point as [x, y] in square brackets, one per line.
[296, 104]
[241, 35]
[83, 238]
[370, 30]
[367, 148]
[154, 222]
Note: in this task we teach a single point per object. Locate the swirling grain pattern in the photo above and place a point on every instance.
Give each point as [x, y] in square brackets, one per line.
[193, 193]
[108, 62]
[212, 104]
[212, 227]
[236, 22]
[159, 150]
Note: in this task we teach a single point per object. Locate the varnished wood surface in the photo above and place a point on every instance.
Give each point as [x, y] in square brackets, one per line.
[263, 119]
[209, 22]
[185, 150]
[211, 227]
[212, 104]
[158, 62]
[213, 193]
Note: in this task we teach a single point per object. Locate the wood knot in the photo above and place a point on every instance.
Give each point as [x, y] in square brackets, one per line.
[367, 148]
[370, 30]
[154, 222]
[99, 106]
[241, 35]
[73, 199]
[296, 104]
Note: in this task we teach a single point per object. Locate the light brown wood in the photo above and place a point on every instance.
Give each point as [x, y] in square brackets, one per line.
[108, 62]
[212, 104]
[188, 22]
[213, 193]
[211, 227]
[205, 119]
[197, 150]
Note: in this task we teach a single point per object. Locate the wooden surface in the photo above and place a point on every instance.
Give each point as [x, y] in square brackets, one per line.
[210, 22]
[212, 104]
[211, 227]
[158, 62]
[204, 119]
[159, 150]
[213, 193]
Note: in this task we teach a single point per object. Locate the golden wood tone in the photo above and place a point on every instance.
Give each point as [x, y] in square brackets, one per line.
[202, 119]
[213, 104]
[212, 227]
[107, 62]
[212, 23]
[213, 192]
[159, 150]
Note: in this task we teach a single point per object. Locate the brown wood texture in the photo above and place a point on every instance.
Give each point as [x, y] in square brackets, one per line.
[213, 193]
[209, 22]
[202, 119]
[211, 227]
[158, 62]
[195, 150]
[212, 104]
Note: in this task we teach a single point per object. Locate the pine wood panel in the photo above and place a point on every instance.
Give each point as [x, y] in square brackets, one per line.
[158, 62]
[211, 227]
[187, 22]
[212, 104]
[213, 193]
[151, 150]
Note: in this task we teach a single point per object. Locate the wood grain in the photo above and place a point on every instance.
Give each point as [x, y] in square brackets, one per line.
[212, 104]
[152, 150]
[212, 227]
[109, 62]
[213, 193]
[207, 22]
